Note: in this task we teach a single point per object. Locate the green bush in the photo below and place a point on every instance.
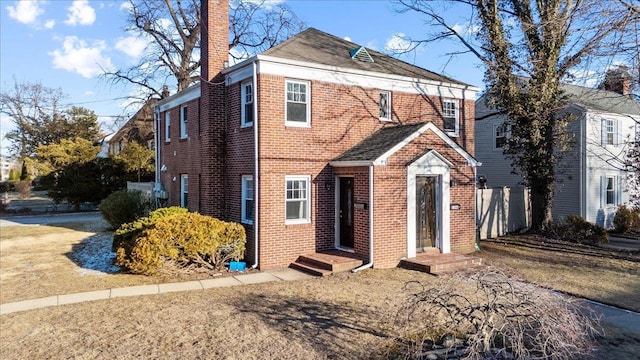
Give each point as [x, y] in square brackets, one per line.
[185, 240]
[576, 229]
[124, 206]
[127, 233]
[626, 220]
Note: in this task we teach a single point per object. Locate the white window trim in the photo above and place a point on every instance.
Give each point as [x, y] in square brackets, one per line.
[244, 220]
[243, 103]
[389, 116]
[184, 188]
[604, 132]
[167, 127]
[506, 135]
[617, 190]
[306, 178]
[183, 122]
[456, 103]
[298, 123]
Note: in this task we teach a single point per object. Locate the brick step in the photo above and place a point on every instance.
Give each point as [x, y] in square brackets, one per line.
[438, 264]
[309, 269]
[330, 262]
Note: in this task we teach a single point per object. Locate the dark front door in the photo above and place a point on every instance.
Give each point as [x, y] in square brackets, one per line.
[346, 212]
[425, 212]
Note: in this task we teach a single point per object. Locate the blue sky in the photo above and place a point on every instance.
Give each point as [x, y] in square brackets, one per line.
[66, 44]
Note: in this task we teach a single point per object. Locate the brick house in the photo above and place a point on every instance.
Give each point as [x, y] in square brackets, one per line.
[320, 144]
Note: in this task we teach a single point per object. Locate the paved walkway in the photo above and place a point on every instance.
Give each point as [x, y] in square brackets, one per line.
[226, 281]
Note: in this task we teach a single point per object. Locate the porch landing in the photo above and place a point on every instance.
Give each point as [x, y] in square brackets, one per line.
[326, 262]
[435, 263]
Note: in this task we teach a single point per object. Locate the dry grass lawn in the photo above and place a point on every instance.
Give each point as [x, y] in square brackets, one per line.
[345, 316]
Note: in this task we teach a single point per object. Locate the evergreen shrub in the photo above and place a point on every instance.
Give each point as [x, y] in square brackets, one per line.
[124, 206]
[187, 239]
[626, 220]
[127, 233]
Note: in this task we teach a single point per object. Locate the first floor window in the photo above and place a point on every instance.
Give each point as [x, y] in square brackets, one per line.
[610, 188]
[297, 199]
[247, 199]
[450, 117]
[184, 190]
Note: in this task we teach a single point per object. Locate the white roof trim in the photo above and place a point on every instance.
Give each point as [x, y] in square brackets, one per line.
[351, 163]
[175, 100]
[437, 155]
[471, 161]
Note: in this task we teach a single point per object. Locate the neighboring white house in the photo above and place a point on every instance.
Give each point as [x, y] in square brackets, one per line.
[6, 164]
[594, 183]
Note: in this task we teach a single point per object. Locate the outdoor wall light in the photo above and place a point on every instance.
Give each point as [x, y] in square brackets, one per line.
[454, 183]
[327, 185]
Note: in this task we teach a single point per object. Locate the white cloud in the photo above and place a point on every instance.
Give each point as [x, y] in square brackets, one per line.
[49, 24]
[133, 46]
[265, 4]
[397, 44]
[25, 11]
[76, 56]
[347, 38]
[126, 6]
[465, 30]
[89, 93]
[80, 13]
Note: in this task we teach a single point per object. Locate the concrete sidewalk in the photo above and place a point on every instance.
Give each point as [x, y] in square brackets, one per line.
[226, 281]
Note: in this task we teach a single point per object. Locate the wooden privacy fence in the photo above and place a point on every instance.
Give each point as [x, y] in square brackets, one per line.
[502, 210]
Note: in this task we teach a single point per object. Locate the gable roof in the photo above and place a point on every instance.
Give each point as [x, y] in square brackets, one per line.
[140, 126]
[315, 46]
[601, 100]
[585, 97]
[379, 146]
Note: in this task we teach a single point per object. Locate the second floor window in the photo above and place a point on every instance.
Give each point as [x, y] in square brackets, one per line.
[247, 104]
[450, 117]
[609, 136]
[385, 106]
[167, 126]
[501, 135]
[183, 121]
[297, 103]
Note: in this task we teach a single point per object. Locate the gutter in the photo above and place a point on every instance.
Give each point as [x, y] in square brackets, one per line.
[370, 263]
[156, 139]
[256, 182]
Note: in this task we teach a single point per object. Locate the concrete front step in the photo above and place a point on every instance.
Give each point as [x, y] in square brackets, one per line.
[325, 263]
[440, 263]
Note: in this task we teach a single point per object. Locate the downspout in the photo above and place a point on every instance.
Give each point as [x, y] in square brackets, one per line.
[156, 139]
[370, 264]
[256, 186]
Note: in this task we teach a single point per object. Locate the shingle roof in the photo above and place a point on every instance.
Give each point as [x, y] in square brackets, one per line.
[601, 100]
[378, 143]
[315, 46]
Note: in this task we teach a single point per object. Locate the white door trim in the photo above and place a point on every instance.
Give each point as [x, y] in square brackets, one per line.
[430, 164]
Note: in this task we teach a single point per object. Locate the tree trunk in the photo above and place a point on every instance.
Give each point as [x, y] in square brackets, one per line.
[541, 205]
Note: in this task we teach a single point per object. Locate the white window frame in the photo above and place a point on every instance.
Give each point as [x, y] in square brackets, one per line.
[506, 134]
[184, 118]
[615, 191]
[609, 128]
[307, 180]
[456, 115]
[307, 84]
[247, 98]
[246, 179]
[387, 110]
[184, 190]
[167, 127]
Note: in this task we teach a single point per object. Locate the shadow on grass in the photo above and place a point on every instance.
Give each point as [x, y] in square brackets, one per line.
[327, 327]
[94, 256]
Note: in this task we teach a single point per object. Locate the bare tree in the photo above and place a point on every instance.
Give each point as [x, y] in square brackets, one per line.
[528, 48]
[173, 27]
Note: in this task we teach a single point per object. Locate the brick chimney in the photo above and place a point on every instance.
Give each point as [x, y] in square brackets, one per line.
[165, 91]
[210, 155]
[617, 80]
[214, 38]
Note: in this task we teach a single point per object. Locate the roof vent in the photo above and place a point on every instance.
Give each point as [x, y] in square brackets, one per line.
[361, 54]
